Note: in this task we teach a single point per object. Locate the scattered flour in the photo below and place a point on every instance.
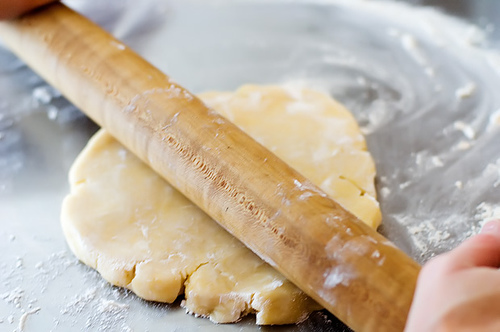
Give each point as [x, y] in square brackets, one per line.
[466, 91]
[112, 306]
[412, 46]
[426, 234]
[385, 192]
[14, 297]
[24, 317]
[494, 121]
[486, 212]
[101, 305]
[465, 128]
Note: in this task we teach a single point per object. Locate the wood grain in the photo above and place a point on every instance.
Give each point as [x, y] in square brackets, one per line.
[353, 271]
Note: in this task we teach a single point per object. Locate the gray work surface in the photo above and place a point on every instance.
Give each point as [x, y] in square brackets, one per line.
[423, 86]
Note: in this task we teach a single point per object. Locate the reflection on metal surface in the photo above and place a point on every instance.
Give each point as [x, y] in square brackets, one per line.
[422, 85]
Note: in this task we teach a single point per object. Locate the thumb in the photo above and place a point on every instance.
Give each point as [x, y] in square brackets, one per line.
[482, 250]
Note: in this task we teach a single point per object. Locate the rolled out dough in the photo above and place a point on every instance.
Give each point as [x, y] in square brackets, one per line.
[135, 229]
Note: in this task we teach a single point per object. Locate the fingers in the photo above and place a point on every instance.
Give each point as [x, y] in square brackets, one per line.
[457, 291]
[482, 250]
[11, 9]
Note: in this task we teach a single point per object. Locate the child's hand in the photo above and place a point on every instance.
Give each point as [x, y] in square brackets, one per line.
[460, 290]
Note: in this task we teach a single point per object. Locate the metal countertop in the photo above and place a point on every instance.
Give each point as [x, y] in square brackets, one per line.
[422, 85]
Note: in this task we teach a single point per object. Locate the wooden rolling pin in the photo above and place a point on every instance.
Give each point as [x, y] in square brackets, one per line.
[343, 264]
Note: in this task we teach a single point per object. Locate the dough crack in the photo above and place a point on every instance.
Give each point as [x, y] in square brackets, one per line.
[132, 273]
[362, 192]
[212, 291]
[188, 276]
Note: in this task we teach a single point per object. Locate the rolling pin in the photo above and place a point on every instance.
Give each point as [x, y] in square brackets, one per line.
[343, 264]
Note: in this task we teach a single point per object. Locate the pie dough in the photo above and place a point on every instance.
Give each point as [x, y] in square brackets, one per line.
[135, 229]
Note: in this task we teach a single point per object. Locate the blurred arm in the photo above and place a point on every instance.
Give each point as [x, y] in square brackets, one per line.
[14, 8]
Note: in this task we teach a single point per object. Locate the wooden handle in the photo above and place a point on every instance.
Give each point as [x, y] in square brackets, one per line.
[353, 271]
